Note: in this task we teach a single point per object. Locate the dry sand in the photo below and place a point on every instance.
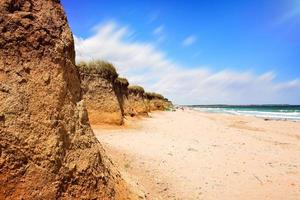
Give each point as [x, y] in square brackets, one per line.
[193, 155]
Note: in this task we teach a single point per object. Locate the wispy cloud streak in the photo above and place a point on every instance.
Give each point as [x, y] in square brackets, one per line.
[292, 14]
[189, 40]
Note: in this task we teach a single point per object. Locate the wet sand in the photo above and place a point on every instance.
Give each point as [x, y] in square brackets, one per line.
[193, 155]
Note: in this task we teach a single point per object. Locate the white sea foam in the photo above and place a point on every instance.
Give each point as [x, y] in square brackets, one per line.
[279, 114]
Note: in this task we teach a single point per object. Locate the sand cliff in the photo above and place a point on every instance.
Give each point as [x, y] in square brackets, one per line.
[100, 94]
[135, 103]
[157, 102]
[110, 99]
[47, 148]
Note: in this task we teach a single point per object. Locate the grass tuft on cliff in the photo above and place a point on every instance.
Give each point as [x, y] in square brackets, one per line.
[153, 95]
[122, 81]
[98, 67]
[136, 89]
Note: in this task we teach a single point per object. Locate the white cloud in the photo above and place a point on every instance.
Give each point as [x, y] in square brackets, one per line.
[189, 40]
[288, 85]
[143, 63]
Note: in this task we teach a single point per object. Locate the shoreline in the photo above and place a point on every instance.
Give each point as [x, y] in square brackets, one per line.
[234, 114]
[194, 155]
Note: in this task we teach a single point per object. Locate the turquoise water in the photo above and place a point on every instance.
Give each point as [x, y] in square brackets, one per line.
[283, 112]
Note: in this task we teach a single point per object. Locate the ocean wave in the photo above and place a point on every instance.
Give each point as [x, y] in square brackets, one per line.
[278, 114]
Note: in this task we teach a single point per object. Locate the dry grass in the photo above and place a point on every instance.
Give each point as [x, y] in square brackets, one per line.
[153, 95]
[136, 89]
[122, 81]
[98, 67]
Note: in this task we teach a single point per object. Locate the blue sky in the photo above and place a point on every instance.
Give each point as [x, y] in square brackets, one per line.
[199, 42]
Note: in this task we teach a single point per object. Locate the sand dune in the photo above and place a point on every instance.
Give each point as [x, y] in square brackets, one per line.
[193, 155]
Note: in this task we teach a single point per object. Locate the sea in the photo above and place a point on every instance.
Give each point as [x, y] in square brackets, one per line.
[279, 112]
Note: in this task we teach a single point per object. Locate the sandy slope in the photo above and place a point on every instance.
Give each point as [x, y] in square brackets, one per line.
[192, 155]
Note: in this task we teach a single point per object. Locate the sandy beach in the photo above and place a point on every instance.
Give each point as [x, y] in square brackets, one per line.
[193, 155]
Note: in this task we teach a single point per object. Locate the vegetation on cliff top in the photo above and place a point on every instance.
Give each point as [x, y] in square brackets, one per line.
[122, 81]
[98, 67]
[107, 70]
[136, 89]
[153, 95]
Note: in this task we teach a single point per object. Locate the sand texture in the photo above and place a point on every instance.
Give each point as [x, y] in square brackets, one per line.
[193, 155]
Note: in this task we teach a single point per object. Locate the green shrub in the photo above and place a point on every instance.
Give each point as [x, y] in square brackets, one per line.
[98, 67]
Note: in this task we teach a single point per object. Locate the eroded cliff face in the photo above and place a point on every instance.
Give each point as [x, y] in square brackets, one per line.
[47, 148]
[135, 104]
[157, 102]
[101, 98]
[121, 90]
